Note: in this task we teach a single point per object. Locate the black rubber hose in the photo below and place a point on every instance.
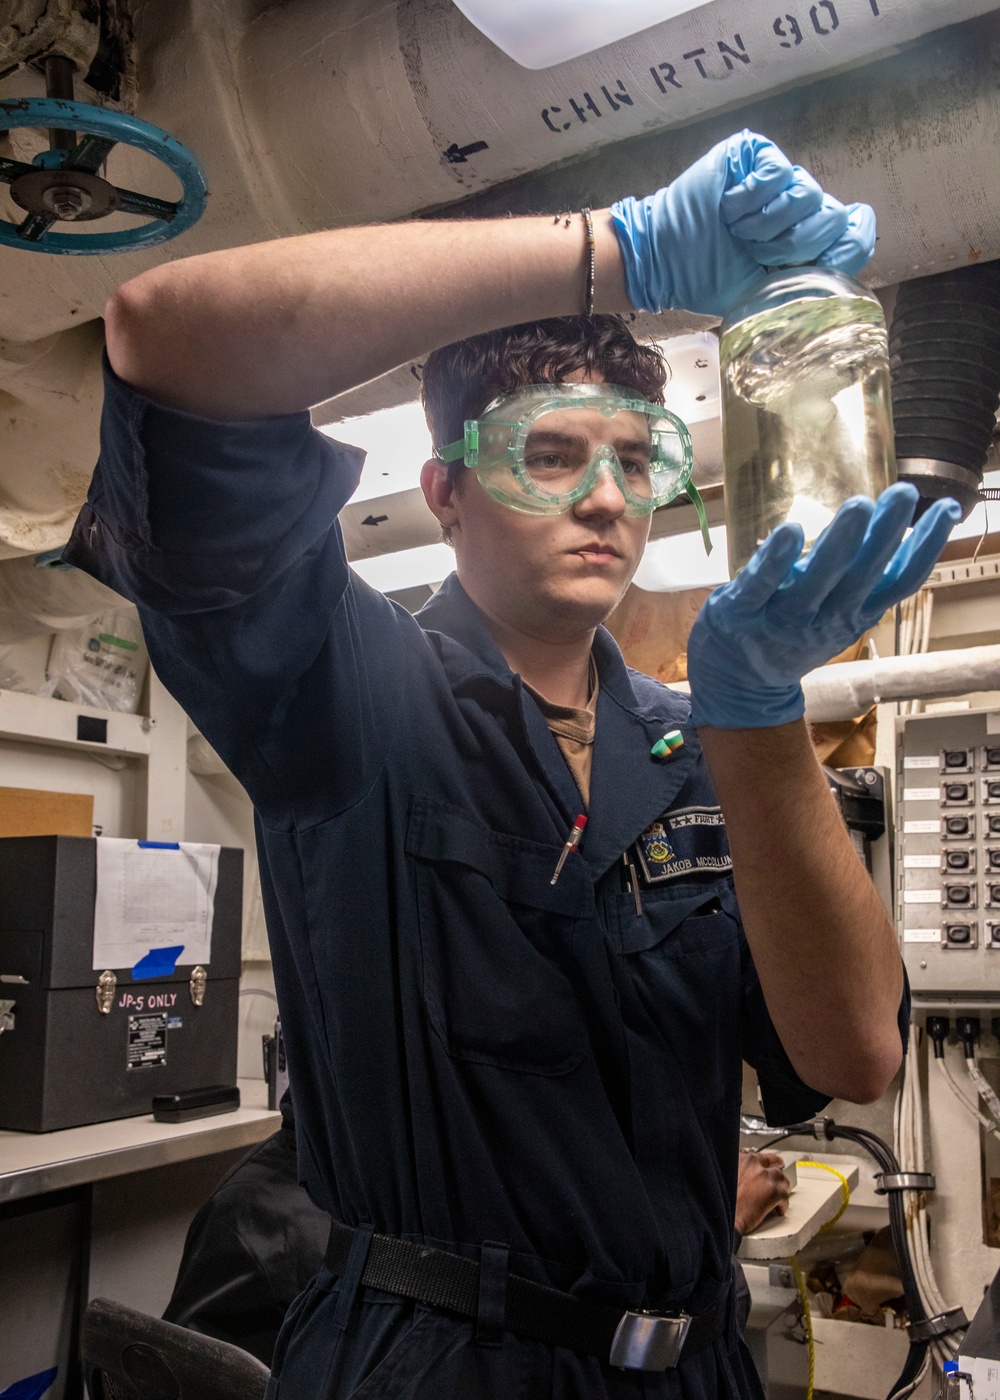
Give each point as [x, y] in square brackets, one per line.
[886, 1159]
[944, 357]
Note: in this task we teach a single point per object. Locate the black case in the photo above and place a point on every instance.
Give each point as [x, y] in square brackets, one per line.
[65, 1063]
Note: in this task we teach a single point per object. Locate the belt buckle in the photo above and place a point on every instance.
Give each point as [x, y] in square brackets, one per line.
[646, 1341]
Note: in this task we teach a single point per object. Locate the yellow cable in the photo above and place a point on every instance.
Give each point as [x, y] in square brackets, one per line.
[800, 1284]
[844, 1186]
[800, 1281]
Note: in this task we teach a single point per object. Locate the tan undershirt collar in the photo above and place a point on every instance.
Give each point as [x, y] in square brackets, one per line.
[574, 731]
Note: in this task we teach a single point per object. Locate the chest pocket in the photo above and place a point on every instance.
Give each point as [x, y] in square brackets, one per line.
[682, 959]
[497, 942]
[682, 921]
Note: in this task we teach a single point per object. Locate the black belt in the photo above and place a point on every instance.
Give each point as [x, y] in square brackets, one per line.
[632, 1340]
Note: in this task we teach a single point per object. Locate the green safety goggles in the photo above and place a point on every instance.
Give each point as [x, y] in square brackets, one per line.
[544, 447]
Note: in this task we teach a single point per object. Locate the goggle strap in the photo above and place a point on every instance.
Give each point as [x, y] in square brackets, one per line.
[472, 442]
[453, 452]
[695, 497]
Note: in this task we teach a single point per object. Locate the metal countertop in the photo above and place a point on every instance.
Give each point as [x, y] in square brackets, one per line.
[33, 1163]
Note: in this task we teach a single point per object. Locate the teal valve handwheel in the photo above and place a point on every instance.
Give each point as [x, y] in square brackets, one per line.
[63, 186]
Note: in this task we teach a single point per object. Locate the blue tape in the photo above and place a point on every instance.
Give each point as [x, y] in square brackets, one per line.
[154, 846]
[31, 1387]
[158, 962]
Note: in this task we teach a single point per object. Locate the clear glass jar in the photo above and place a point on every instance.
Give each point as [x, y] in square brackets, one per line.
[806, 407]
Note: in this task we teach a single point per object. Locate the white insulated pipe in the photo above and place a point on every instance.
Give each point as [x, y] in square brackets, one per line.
[406, 105]
[842, 691]
[308, 115]
[850, 688]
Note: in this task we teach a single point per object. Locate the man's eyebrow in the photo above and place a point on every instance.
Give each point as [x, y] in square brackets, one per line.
[539, 437]
[542, 436]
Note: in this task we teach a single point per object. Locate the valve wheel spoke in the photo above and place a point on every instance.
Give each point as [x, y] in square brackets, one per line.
[87, 157]
[90, 154]
[34, 227]
[11, 169]
[132, 202]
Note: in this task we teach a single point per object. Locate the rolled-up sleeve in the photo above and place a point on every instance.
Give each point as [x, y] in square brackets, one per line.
[225, 535]
[186, 514]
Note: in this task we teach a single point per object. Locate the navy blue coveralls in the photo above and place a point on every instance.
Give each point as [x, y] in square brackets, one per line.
[476, 1055]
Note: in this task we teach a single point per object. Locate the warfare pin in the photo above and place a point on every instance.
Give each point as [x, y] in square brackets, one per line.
[670, 744]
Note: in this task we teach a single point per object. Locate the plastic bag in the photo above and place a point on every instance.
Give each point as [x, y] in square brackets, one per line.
[23, 665]
[103, 665]
[36, 602]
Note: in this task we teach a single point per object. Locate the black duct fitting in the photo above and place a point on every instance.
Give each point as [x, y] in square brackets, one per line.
[944, 357]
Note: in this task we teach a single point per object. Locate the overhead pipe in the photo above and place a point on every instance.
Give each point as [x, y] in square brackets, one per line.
[311, 116]
[844, 690]
[850, 688]
[944, 351]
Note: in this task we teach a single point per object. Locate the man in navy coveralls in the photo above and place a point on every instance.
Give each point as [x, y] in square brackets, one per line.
[531, 1080]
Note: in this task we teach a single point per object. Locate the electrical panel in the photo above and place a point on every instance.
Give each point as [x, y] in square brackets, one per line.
[948, 851]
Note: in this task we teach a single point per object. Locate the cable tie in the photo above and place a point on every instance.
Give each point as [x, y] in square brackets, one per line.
[941, 1325]
[753, 1126]
[904, 1181]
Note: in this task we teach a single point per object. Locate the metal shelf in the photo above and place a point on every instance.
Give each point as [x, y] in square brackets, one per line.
[58, 722]
[33, 1163]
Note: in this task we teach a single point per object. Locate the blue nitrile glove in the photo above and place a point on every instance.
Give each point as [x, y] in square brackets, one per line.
[704, 242]
[755, 638]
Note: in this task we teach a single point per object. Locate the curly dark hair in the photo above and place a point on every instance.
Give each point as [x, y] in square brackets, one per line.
[459, 380]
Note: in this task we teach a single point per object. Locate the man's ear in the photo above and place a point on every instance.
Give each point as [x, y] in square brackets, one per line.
[439, 493]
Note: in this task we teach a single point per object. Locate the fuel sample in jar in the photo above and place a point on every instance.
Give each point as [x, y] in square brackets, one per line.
[806, 408]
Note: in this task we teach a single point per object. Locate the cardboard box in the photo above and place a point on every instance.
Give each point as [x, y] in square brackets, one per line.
[31, 812]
